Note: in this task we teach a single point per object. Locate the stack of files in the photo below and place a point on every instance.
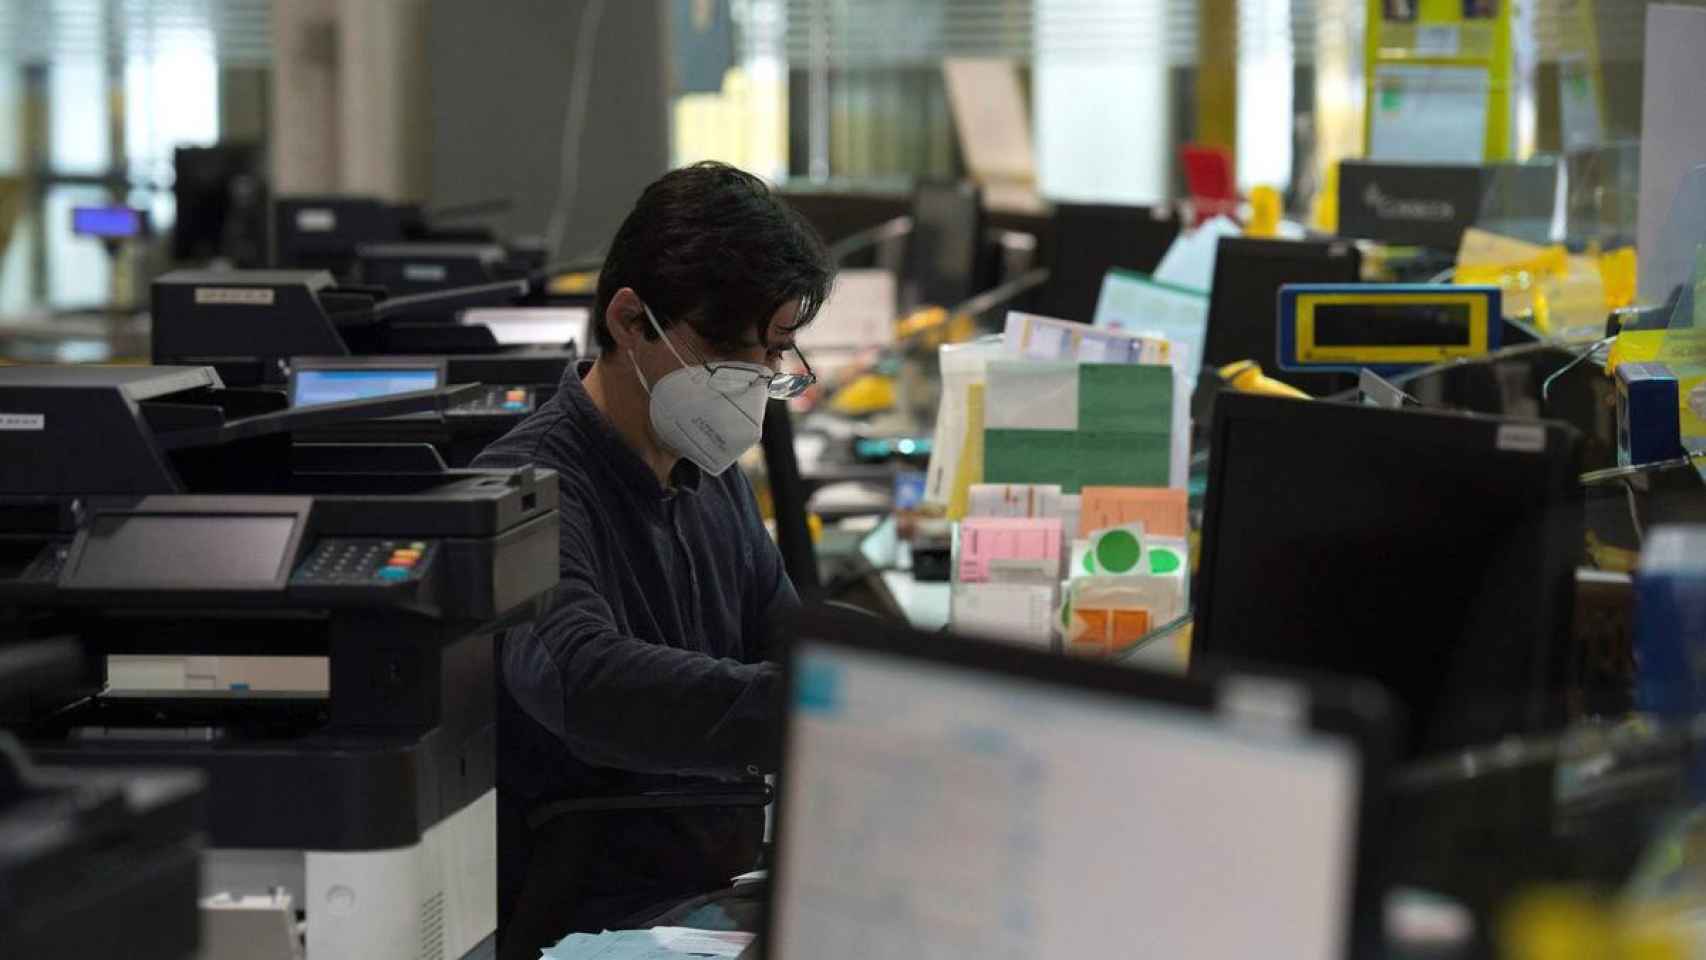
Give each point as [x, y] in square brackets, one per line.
[1034, 337]
[658, 943]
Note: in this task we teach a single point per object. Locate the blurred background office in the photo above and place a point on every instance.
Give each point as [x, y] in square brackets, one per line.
[451, 103]
[1361, 338]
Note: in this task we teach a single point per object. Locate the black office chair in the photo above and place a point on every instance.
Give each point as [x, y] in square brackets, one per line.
[788, 496]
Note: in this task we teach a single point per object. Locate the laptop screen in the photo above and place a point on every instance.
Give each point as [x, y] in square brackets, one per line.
[313, 387]
[935, 811]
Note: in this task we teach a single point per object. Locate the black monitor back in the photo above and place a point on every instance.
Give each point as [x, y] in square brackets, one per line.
[322, 232]
[947, 237]
[1089, 240]
[404, 269]
[1432, 552]
[221, 203]
[1243, 310]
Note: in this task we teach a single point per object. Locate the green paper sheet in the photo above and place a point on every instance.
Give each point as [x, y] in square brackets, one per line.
[1074, 459]
[1125, 397]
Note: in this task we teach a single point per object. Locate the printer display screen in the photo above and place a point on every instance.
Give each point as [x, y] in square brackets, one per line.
[314, 387]
[1392, 325]
[185, 550]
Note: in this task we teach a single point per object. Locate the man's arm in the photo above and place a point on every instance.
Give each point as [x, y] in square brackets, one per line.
[633, 705]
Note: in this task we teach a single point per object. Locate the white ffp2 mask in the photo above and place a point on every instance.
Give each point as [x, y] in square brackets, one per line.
[709, 426]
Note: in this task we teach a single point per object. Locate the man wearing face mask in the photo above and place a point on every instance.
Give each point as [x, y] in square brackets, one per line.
[637, 718]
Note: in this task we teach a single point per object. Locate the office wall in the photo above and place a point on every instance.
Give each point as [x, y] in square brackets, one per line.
[348, 97]
[305, 133]
[500, 75]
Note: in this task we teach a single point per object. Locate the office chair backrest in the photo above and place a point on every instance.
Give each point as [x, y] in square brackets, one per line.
[788, 495]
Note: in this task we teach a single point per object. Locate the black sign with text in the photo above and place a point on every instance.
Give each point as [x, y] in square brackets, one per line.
[1424, 205]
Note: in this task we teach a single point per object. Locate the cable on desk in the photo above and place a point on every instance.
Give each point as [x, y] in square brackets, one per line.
[1159, 633]
[1546, 385]
[1634, 514]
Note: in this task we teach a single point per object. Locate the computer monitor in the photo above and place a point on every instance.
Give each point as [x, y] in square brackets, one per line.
[947, 238]
[1090, 239]
[409, 268]
[338, 382]
[221, 203]
[1431, 552]
[1243, 309]
[111, 222]
[950, 798]
[323, 232]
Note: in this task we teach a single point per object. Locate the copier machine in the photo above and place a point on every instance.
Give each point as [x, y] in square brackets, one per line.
[262, 327]
[93, 863]
[152, 510]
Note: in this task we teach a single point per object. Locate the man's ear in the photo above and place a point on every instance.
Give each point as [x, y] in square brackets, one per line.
[625, 318]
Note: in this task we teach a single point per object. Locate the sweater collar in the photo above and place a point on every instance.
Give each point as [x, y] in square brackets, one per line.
[615, 451]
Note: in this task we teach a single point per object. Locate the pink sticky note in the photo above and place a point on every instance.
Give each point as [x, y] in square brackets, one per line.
[983, 539]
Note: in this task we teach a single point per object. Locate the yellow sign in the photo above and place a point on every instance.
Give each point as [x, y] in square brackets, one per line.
[1435, 69]
[1375, 355]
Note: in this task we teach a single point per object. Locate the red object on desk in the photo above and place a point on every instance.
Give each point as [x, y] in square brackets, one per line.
[1209, 178]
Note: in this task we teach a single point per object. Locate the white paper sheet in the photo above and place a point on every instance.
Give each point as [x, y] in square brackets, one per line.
[1019, 612]
[1136, 304]
[990, 118]
[1031, 395]
[1189, 262]
[963, 365]
[860, 312]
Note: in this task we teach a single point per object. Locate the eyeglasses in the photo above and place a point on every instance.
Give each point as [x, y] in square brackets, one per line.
[739, 377]
[731, 377]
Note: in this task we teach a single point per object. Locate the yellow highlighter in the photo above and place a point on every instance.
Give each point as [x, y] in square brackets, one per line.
[1246, 376]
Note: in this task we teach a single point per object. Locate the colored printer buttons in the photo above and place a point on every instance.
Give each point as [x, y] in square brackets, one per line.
[363, 561]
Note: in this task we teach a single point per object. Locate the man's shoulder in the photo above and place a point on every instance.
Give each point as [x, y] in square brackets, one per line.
[550, 438]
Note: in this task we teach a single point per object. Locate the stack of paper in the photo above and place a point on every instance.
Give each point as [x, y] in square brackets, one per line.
[659, 943]
[1048, 338]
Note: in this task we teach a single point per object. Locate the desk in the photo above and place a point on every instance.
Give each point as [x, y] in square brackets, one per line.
[925, 604]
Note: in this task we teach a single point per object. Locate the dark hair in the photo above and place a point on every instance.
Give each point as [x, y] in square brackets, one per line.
[711, 246]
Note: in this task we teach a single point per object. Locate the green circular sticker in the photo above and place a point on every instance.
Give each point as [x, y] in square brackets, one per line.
[1089, 562]
[1164, 561]
[1118, 551]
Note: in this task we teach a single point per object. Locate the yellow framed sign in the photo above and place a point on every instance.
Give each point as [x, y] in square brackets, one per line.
[1384, 326]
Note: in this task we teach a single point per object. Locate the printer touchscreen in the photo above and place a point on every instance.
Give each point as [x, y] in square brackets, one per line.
[314, 387]
[222, 550]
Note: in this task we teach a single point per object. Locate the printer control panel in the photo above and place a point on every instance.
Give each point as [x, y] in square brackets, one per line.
[361, 560]
[497, 401]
